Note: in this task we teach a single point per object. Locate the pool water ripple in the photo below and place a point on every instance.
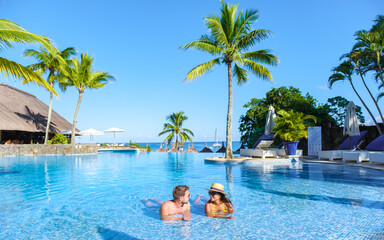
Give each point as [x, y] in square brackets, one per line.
[101, 197]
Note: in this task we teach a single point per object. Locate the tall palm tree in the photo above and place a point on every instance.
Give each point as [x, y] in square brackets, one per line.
[51, 64]
[12, 33]
[361, 60]
[79, 74]
[344, 72]
[174, 127]
[230, 37]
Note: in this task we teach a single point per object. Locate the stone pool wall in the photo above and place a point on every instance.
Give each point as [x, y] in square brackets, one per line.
[41, 149]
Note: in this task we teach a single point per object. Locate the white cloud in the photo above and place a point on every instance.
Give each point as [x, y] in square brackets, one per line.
[322, 87]
[370, 122]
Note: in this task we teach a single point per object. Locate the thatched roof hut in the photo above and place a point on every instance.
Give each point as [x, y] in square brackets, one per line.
[173, 150]
[222, 149]
[206, 149]
[161, 149]
[177, 144]
[21, 111]
[241, 147]
[191, 149]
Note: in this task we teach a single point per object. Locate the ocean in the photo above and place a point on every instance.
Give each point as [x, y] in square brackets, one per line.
[198, 145]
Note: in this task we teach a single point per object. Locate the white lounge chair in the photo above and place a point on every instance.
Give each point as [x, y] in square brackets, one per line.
[354, 141]
[376, 146]
[377, 157]
[260, 148]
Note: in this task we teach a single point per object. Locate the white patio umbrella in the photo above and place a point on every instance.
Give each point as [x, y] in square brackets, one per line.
[69, 132]
[351, 125]
[114, 130]
[270, 124]
[91, 132]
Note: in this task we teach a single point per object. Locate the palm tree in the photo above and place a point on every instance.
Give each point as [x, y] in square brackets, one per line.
[230, 36]
[174, 127]
[80, 75]
[12, 33]
[48, 63]
[361, 60]
[344, 72]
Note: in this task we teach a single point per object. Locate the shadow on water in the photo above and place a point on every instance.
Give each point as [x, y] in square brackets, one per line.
[321, 172]
[9, 172]
[255, 178]
[346, 201]
[109, 234]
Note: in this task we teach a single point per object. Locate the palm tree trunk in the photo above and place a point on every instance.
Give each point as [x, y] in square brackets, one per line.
[378, 64]
[228, 151]
[75, 118]
[373, 118]
[49, 116]
[373, 98]
[176, 142]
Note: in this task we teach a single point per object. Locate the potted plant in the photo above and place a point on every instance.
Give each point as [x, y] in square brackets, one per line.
[291, 127]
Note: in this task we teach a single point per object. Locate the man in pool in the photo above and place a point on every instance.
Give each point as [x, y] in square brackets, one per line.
[179, 208]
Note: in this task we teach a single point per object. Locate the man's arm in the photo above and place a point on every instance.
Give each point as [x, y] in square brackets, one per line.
[187, 213]
[165, 212]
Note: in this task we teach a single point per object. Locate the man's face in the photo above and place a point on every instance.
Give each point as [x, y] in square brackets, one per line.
[185, 198]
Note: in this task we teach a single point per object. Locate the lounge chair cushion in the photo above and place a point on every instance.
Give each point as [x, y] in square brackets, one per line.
[376, 145]
[354, 141]
[265, 136]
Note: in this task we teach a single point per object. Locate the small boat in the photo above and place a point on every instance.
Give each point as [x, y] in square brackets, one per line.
[216, 144]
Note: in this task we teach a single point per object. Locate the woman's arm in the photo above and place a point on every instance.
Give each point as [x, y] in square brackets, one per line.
[208, 213]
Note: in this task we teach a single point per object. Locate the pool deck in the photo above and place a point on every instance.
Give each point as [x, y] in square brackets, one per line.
[312, 159]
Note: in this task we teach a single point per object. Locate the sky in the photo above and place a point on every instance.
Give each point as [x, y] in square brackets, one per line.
[138, 43]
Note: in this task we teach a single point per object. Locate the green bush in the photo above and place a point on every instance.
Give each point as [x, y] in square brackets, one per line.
[58, 139]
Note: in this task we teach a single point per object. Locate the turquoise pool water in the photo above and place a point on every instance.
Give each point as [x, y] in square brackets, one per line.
[99, 197]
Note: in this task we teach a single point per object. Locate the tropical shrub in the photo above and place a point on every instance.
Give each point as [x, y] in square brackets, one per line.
[58, 139]
[291, 126]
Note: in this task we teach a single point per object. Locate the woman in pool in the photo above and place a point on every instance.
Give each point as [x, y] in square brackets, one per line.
[218, 205]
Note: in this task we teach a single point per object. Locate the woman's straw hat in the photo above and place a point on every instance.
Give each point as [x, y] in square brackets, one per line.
[216, 187]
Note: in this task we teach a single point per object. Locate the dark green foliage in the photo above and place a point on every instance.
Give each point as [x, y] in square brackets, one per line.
[58, 139]
[287, 98]
[336, 106]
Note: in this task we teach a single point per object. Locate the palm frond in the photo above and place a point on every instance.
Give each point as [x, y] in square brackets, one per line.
[188, 131]
[249, 40]
[10, 68]
[213, 23]
[240, 74]
[259, 70]
[262, 56]
[204, 44]
[201, 69]
[335, 78]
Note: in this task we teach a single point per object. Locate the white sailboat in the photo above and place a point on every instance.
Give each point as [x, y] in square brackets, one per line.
[216, 144]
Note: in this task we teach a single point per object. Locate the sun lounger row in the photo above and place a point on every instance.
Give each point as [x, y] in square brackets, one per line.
[374, 152]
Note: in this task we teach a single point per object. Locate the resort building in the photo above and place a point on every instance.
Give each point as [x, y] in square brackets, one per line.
[23, 117]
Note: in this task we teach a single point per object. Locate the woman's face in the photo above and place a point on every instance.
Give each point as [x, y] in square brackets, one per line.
[214, 196]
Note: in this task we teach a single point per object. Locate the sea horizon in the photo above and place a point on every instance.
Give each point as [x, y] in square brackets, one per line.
[198, 145]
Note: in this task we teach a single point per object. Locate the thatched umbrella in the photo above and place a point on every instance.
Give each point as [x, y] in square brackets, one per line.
[161, 149]
[206, 149]
[173, 150]
[222, 149]
[241, 147]
[166, 148]
[177, 144]
[191, 149]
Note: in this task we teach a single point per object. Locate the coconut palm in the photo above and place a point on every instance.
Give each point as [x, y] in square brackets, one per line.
[361, 60]
[174, 128]
[230, 37]
[51, 64]
[12, 33]
[344, 72]
[79, 74]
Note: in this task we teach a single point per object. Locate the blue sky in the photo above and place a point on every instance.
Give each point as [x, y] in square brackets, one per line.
[138, 41]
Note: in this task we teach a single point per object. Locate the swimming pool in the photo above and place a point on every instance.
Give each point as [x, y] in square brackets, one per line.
[98, 197]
